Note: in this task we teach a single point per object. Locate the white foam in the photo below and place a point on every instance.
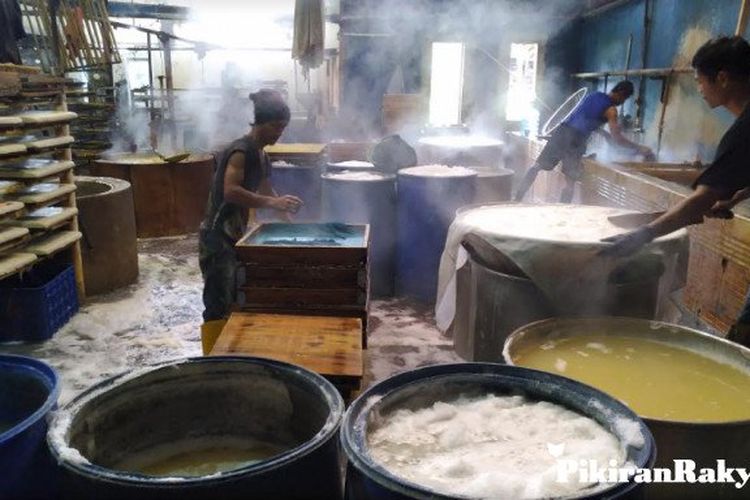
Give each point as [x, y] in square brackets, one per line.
[438, 171]
[491, 447]
[348, 175]
[353, 164]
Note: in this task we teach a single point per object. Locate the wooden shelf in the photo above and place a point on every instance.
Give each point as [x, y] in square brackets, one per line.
[39, 102]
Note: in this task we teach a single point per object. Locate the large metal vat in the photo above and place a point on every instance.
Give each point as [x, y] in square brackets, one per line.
[421, 388]
[460, 150]
[492, 303]
[428, 198]
[188, 405]
[169, 198]
[705, 443]
[367, 198]
[107, 220]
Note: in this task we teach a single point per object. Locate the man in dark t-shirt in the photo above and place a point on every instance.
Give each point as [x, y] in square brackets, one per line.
[722, 70]
[241, 181]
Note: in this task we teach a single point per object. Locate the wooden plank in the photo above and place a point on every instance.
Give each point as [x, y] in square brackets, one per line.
[51, 243]
[10, 209]
[330, 346]
[280, 276]
[341, 311]
[10, 84]
[11, 264]
[302, 296]
[44, 223]
[295, 149]
[288, 255]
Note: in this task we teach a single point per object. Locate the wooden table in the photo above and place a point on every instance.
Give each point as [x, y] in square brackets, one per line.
[328, 345]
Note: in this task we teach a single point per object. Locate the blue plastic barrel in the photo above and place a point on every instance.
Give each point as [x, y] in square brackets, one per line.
[194, 404]
[367, 198]
[350, 165]
[428, 197]
[298, 180]
[421, 388]
[28, 392]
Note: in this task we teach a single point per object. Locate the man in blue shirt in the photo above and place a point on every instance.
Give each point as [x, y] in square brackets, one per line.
[567, 144]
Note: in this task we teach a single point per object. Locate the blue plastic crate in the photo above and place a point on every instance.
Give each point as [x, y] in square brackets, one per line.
[33, 306]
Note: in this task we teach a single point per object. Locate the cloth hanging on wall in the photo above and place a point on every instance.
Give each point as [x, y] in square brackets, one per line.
[12, 31]
[309, 37]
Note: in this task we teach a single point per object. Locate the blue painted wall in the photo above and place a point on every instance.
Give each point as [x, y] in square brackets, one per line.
[678, 28]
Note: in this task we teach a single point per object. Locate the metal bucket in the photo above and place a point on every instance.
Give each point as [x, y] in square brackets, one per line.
[493, 184]
[28, 392]
[200, 400]
[705, 443]
[423, 387]
[302, 181]
[110, 245]
[367, 200]
[426, 207]
[493, 300]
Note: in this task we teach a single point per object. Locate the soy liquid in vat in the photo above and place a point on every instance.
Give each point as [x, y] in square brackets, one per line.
[189, 460]
[657, 380]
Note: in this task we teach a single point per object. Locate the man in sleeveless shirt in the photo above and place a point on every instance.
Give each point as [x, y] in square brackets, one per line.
[568, 141]
[241, 182]
[722, 70]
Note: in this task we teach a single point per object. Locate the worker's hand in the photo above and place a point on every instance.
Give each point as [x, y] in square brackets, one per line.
[647, 153]
[626, 244]
[287, 203]
[721, 210]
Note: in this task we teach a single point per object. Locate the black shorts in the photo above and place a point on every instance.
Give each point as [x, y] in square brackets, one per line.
[566, 145]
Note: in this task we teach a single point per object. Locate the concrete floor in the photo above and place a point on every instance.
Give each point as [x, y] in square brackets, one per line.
[159, 318]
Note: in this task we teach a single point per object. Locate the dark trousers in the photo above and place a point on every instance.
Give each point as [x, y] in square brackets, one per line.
[218, 263]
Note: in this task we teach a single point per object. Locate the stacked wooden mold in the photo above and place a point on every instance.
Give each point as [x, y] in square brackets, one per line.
[307, 280]
[37, 201]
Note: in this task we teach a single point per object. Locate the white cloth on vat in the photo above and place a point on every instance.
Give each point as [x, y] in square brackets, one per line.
[556, 246]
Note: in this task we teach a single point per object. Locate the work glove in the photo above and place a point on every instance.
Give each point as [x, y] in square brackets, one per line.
[626, 244]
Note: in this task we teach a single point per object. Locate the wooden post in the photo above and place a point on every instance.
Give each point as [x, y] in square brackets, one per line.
[70, 179]
[742, 19]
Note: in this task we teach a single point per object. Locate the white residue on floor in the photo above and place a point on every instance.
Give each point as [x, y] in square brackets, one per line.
[156, 319]
[159, 317]
[402, 337]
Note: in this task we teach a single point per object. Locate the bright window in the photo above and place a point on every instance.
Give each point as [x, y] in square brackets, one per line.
[522, 83]
[446, 83]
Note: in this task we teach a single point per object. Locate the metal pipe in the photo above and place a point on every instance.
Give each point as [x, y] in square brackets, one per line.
[651, 72]
[604, 8]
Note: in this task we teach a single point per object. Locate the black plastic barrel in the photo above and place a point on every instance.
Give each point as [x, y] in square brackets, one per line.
[367, 198]
[421, 388]
[427, 202]
[198, 400]
[28, 392]
[302, 181]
